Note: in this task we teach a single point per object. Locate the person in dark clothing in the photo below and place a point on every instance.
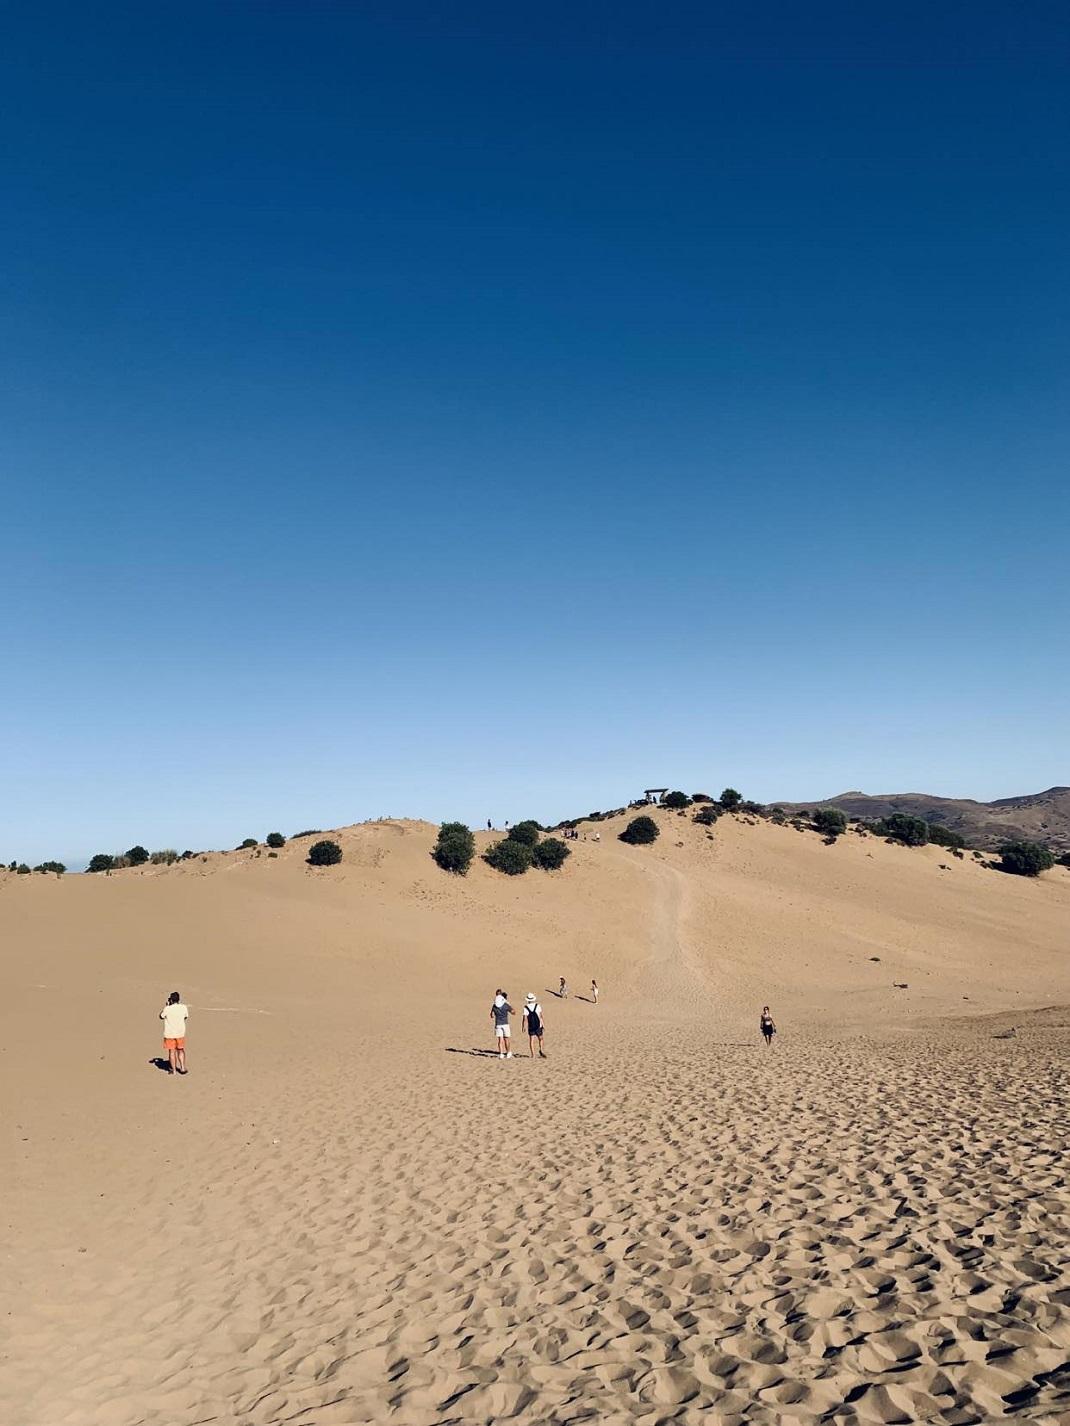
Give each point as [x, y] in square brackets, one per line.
[534, 1024]
[766, 1025]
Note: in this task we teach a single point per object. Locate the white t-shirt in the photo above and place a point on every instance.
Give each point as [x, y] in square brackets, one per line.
[174, 1019]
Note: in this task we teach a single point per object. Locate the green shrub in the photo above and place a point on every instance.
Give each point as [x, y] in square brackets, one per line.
[311, 832]
[164, 858]
[730, 799]
[1025, 858]
[1064, 860]
[14, 865]
[324, 854]
[455, 847]
[273, 854]
[510, 856]
[526, 833]
[136, 856]
[778, 815]
[706, 816]
[901, 827]
[57, 867]
[550, 854]
[101, 862]
[640, 832]
[829, 821]
[275, 840]
[701, 797]
[676, 799]
[22, 869]
[942, 836]
[247, 844]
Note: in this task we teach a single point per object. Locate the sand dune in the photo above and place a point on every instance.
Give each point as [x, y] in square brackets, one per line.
[350, 1213]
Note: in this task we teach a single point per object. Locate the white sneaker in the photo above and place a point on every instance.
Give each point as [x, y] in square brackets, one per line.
[509, 1056]
[501, 1056]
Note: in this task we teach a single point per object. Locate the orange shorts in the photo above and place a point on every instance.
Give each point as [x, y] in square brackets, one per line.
[179, 1044]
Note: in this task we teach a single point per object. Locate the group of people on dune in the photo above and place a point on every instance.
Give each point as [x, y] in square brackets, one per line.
[532, 1018]
[175, 1015]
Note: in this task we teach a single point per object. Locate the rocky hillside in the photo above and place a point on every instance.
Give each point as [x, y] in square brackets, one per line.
[1038, 816]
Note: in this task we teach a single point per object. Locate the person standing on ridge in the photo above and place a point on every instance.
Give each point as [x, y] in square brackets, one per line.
[534, 1024]
[174, 1016]
[594, 990]
[562, 993]
[499, 1013]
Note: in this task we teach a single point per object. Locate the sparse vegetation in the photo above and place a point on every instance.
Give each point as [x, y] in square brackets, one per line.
[57, 867]
[509, 856]
[942, 836]
[324, 854]
[829, 821]
[755, 809]
[701, 797]
[550, 854]
[778, 815]
[707, 816]
[22, 869]
[311, 832]
[136, 856]
[247, 844]
[103, 861]
[730, 799]
[526, 832]
[640, 832]
[454, 848]
[1025, 858]
[676, 799]
[901, 827]
[275, 840]
[164, 858]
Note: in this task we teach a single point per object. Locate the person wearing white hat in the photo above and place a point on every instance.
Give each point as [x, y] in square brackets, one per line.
[534, 1024]
[499, 1013]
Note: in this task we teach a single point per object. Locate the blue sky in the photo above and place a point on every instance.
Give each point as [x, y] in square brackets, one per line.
[494, 413]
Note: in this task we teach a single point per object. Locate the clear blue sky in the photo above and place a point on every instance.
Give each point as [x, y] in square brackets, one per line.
[491, 410]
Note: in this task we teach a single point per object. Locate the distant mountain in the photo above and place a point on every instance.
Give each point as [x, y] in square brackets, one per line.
[1038, 816]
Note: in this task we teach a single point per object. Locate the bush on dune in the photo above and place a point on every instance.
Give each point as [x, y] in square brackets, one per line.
[509, 856]
[730, 799]
[57, 867]
[550, 855]
[706, 816]
[640, 832]
[136, 856]
[454, 848]
[1025, 858]
[247, 844]
[901, 827]
[324, 854]
[101, 862]
[942, 836]
[676, 800]
[526, 832]
[22, 869]
[164, 858]
[275, 840]
[829, 821]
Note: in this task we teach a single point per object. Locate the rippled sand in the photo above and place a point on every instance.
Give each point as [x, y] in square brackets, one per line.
[350, 1212]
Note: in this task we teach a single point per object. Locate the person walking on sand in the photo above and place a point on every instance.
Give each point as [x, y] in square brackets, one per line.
[534, 1024]
[766, 1026]
[499, 1013]
[594, 991]
[174, 1016]
[562, 993]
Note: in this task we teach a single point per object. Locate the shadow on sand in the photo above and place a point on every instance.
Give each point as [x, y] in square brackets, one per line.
[160, 1063]
[486, 1054]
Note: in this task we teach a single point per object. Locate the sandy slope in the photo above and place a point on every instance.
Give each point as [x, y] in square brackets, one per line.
[349, 1213]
